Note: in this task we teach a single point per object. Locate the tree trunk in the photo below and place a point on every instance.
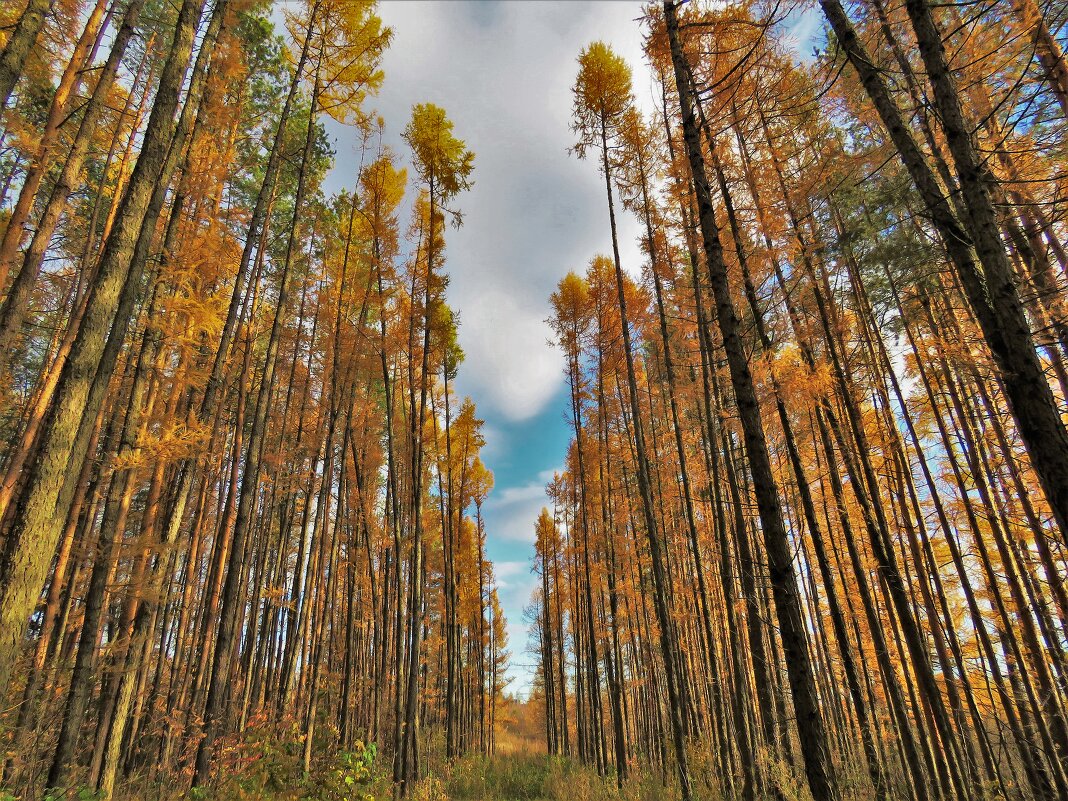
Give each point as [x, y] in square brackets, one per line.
[40, 510]
[19, 43]
[814, 745]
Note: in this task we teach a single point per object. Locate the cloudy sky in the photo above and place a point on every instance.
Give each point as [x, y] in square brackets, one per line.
[503, 71]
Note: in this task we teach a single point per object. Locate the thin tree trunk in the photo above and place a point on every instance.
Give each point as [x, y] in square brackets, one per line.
[814, 746]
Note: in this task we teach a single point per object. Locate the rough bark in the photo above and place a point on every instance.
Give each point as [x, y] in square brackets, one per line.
[814, 745]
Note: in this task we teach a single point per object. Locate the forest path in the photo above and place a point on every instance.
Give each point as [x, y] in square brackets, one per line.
[535, 776]
[518, 770]
[503, 777]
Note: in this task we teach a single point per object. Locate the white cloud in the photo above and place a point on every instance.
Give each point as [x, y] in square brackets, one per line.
[513, 511]
[508, 361]
[506, 571]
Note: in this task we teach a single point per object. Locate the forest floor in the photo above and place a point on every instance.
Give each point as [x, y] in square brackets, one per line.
[265, 766]
[521, 770]
[531, 777]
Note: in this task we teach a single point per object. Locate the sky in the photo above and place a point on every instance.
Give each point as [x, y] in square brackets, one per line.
[503, 72]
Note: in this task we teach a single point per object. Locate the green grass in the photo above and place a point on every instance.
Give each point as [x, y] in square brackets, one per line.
[533, 777]
[514, 777]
